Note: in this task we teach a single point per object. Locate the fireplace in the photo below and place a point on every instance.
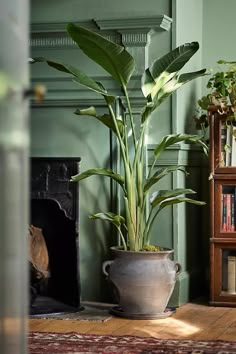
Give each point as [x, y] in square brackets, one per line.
[55, 209]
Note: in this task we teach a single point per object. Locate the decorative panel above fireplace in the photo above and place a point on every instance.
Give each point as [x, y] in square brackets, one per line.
[55, 209]
[50, 179]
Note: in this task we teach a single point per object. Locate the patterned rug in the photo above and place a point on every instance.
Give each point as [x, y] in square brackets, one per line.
[75, 343]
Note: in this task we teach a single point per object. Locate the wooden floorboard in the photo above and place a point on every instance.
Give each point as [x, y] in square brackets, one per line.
[191, 321]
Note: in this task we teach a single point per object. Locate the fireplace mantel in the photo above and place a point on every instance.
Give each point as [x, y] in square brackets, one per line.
[55, 210]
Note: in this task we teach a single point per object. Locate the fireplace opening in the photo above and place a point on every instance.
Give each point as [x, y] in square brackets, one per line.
[54, 209]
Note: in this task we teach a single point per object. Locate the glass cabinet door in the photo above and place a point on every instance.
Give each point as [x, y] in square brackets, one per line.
[227, 143]
[228, 272]
[222, 148]
[223, 273]
[228, 198]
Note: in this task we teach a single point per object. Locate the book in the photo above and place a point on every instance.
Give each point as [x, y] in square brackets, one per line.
[232, 212]
[224, 208]
[231, 275]
[228, 211]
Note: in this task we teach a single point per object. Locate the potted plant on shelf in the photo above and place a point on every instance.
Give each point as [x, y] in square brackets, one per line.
[143, 275]
[222, 95]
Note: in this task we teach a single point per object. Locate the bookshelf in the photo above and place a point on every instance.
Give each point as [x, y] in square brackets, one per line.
[223, 206]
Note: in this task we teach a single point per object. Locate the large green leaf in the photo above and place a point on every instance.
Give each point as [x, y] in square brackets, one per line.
[164, 68]
[106, 119]
[159, 174]
[161, 79]
[160, 92]
[110, 99]
[101, 172]
[172, 139]
[79, 76]
[112, 57]
[178, 200]
[158, 197]
[172, 85]
[115, 219]
[186, 77]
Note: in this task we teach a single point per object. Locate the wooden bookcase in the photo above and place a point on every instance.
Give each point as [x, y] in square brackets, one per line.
[223, 207]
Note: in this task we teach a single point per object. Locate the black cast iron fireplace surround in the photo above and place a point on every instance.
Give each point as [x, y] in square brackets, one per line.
[55, 209]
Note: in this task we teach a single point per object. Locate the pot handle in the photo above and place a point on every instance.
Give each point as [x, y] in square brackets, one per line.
[178, 268]
[105, 265]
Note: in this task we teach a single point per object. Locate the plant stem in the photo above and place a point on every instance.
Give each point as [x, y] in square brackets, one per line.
[131, 116]
[130, 202]
[130, 228]
[152, 167]
[122, 238]
[118, 133]
[149, 224]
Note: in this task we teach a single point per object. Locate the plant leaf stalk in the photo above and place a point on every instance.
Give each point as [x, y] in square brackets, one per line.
[130, 203]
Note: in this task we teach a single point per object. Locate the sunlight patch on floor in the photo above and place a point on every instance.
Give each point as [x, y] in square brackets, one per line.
[180, 327]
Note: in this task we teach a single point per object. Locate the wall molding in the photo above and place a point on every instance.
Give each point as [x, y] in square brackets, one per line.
[188, 155]
[129, 31]
[58, 27]
[137, 103]
[68, 102]
[158, 22]
[65, 90]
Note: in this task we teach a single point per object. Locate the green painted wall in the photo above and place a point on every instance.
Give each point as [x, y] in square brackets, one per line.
[187, 28]
[56, 131]
[219, 28]
[72, 10]
[190, 232]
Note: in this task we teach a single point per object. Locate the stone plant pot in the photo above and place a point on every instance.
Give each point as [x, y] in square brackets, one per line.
[143, 281]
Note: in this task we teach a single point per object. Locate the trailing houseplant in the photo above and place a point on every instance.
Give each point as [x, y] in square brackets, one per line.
[221, 93]
[158, 82]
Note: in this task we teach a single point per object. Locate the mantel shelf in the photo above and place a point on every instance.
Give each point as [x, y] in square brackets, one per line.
[132, 30]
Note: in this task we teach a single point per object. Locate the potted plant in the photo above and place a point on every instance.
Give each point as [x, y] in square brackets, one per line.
[222, 86]
[138, 293]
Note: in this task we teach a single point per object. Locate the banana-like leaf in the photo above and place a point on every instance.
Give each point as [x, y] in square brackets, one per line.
[159, 174]
[186, 77]
[162, 90]
[100, 172]
[164, 68]
[158, 197]
[106, 119]
[173, 201]
[172, 139]
[115, 219]
[108, 98]
[90, 111]
[112, 57]
[78, 75]
[161, 94]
